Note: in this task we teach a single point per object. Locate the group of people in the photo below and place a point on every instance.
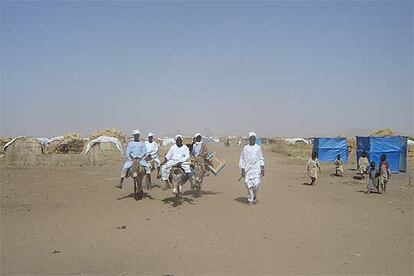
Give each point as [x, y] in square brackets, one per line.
[376, 178]
[251, 163]
[251, 160]
[178, 155]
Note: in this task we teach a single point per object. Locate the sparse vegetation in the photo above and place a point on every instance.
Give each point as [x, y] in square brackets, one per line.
[298, 150]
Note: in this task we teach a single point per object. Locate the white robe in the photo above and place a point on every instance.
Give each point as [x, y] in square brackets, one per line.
[134, 150]
[174, 156]
[197, 149]
[251, 160]
[152, 149]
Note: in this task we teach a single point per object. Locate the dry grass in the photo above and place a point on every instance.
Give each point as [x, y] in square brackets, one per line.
[383, 132]
[111, 132]
[71, 143]
[299, 150]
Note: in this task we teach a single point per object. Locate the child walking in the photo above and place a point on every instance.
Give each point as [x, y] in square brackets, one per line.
[313, 167]
[372, 185]
[339, 171]
[384, 172]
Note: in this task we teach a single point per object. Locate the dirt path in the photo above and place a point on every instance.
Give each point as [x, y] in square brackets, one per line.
[331, 228]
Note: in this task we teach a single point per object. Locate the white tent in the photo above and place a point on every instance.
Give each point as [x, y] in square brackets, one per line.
[104, 139]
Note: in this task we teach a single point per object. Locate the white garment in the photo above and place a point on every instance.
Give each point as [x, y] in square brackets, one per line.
[178, 154]
[251, 160]
[252, 191]
[174, 156]
[152, 149]
[197, 148]
[166, 168]
[252, 134]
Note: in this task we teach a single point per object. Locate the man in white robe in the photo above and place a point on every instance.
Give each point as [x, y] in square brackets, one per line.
[178, 154]
[135, 150]
[197, 145]
[252, 167]
[152, 154]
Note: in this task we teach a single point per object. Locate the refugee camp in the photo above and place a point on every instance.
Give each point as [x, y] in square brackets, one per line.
[206, 138]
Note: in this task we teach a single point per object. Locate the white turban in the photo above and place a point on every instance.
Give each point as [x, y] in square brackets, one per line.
[252, 134]
[197, 134]
[135, 131]
[150, 134]
[178, 136]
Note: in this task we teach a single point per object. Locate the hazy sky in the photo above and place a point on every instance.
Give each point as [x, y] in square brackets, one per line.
[280, 68]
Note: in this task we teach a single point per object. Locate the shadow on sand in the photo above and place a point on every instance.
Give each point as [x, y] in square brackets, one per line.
[357, 177]
[365, 192]
[132, 195]
[194, 194]
[242, 200]
[307, 184]
[177, 201]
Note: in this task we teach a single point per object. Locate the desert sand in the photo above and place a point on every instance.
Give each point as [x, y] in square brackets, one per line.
[71, 220]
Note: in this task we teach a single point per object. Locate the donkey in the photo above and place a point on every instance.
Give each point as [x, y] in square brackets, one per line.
[198, 175]
[137, 172]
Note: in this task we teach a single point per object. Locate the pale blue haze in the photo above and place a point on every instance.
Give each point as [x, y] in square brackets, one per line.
[279, 68]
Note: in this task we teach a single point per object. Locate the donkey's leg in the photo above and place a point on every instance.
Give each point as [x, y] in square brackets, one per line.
[135, 189]
[148, 181]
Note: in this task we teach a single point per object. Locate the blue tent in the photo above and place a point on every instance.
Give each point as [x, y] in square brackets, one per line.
[328, 148]
[394, 147]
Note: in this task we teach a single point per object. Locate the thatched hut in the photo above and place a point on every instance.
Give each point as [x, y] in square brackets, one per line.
[24, 150]
[103, 149]
[3, 142]
[70, 143]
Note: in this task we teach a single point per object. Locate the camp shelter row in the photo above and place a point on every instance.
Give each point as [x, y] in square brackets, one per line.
[394, 147]
[29, 151]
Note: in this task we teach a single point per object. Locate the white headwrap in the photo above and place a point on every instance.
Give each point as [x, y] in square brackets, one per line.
[197, 134]
[135, 131]
[252, 134]
[150, 134]
[178, 136]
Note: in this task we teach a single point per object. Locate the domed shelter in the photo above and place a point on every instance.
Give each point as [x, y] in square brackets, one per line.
[110, 132]
[103, 149]
[24, 150]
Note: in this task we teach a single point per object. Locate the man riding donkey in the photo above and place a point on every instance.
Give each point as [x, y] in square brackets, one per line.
[152, 157]
[199, 152]
[135, 151]
[178, 155]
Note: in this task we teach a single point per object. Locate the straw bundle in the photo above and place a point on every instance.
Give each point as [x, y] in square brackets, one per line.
[111, 132]
[70, 143]
[383, 132]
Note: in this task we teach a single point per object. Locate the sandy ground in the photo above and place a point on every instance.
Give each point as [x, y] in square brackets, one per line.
[66, 221]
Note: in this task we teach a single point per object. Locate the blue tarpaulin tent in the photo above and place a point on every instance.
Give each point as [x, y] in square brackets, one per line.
[394, 147]
[328, 148]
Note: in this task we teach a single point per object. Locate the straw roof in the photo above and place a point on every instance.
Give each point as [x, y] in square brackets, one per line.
[383, 132]
[111, 132]
[69, 143]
